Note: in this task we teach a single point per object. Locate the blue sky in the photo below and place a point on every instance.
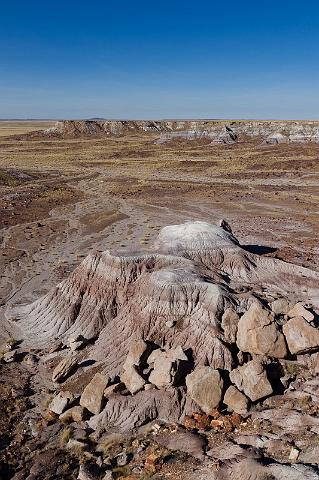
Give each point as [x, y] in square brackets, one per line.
[165, 59]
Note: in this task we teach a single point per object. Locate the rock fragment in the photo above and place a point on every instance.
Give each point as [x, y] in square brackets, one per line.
[300, 336]
[167, 367]
[280, 306]
[251, 378]
[236, 400]
[133, 381]
[204, 386]
[92, 396]
[300, 311]
[73, 414]
[258, 333]
[61, 402]
[64, 368]
[229, 324]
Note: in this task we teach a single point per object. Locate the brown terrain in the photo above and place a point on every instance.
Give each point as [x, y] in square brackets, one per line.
[167, 313]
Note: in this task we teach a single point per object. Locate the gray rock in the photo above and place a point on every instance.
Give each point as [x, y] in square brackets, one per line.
[280, 306]
[300, 336]
[73, 414]
[167, 367]
[92, 396]
[122, 459]
[236, 400]
[204, 386]
[251, 378]
[137, 354]
[10, 356]
[64, 368]
[88, 472]
[133, 381]
[229, 324]
[258, 333]
[61, 402]
[299, 310]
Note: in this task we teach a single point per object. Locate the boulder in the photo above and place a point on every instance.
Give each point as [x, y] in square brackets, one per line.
[73, 414]
[300, 311]
[168, 367]
[61, 402]
[137, 354]
[280, 306]
[133, 381]
[258, 333]
[92, 396]
[300, 336]
[10, 356]
[229, 324]
[205, 386]
[115, 388]
[251, 378]
[236, 400]
[64, 368]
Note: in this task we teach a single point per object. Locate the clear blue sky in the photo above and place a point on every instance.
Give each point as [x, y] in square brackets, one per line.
[159, 59]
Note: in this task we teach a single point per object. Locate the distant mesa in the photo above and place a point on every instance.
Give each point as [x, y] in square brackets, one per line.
[214, 131]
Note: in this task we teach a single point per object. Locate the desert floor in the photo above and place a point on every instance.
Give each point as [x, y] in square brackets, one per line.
[61, 199]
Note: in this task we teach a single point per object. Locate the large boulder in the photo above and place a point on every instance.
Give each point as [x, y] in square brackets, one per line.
[301, 337]
[251, 378]
[205, 386]
[92, 396]
[258, 333]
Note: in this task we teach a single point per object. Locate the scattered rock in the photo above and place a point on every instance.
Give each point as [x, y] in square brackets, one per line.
[168, 367]
[122, 459]
[280, 306]
[236, 400]
[74, 414]
[10, 356]
[112, 389]
[133, 381]
[300, 311]
[258, 334]
[61, 402]
[76, 342]
[137, 354]
[64, 368]
[300, 336]
[88, 472]
[92, 396]
[251, 378]
[294, 454]
[229, 324]
[204, 386]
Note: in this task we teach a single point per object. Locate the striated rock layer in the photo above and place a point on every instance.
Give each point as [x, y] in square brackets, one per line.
[217, 131]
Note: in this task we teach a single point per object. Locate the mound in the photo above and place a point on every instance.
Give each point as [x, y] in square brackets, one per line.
[183, 301]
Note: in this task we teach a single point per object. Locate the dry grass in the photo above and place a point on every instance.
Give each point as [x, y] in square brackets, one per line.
[10, 127]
